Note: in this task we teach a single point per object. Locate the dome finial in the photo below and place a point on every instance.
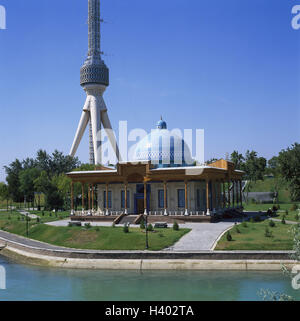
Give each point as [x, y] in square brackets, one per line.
[161, 124]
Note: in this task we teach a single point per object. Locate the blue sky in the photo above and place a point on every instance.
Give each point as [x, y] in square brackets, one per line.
[231, 67]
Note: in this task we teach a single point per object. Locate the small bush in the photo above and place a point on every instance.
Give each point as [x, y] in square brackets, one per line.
[269, 212]
[87, 225]
[18, 218]
[38, 220]
[268, 233]
[97, 229]
[294, 207]
[150, 228]
[125, 228]
[272, 223]
[283, 220]
[160, 235]
[70, 224]
[142, 225]
[251, 220]
[244, 224]
[43, 214]
[175, 226]
[275, 208]
[237, 229]
[297, 217]
[228, 236]
[257, 218]
[286, 212]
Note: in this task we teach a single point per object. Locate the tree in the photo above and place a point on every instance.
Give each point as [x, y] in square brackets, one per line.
[13, 170]
[237, 159]
[27, 178]
[254, 168]
[63, 184]
[4, 194]
[289, 169]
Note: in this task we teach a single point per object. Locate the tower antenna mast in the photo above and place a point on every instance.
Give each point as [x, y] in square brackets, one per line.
[94, 78]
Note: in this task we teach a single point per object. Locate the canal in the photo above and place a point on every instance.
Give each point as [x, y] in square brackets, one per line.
[24, 282]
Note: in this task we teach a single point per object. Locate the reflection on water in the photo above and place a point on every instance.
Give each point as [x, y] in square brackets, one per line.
[38, 283]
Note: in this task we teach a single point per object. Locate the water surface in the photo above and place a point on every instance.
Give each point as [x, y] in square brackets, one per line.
[26, 282]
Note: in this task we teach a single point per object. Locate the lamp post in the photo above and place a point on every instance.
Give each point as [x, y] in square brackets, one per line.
[146, 226]
[27, 224]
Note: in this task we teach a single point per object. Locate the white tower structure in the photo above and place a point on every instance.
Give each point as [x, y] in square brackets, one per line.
[94, 78]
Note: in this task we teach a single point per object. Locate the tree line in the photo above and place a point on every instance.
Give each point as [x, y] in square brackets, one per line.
[42, 175]
[46, 175]
[285, 167]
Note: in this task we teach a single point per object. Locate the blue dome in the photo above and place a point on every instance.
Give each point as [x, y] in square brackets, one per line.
[161, 124]
[163, 148]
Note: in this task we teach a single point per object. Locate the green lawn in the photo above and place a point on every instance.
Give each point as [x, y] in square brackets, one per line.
[253, 237]
[101, 238]
[268, 185]
[264, 207]
[49, 216]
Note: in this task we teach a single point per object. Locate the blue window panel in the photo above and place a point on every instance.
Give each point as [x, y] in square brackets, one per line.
[109, 199]
[181, 198]
[123, 199]
[198, 198]
[204, 199]
[161, 197]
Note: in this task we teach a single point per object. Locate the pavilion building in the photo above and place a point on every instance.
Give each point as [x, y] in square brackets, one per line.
[161, 180]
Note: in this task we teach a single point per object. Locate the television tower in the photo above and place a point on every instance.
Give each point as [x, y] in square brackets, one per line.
[94, 78]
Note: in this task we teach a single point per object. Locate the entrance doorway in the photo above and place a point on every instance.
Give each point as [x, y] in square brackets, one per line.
[139, 199]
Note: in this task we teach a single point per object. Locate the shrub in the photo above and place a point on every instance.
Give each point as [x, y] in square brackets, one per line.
[87, 225]
[275, 208]
[175, 226]
[97, 229]
[251, 220]
[9, 217]
[228, 236]
[38, 220]
[269, 212]
[125, 228]
[283, 220]
[237, 229]
[160, 235]
[70, 224]
[268, 233]
[142, 225]
[150, 228]
[294, 207]
[257, 218]
[297, 217]
[286, 212]
[272, 223]
[244, 224]
[43, 214]
[18, 218]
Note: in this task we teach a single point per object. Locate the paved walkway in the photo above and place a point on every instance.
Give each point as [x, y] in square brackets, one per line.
[202, 236]
[287, 222]
[33, 216]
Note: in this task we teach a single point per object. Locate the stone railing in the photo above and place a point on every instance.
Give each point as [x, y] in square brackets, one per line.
[97, 213]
